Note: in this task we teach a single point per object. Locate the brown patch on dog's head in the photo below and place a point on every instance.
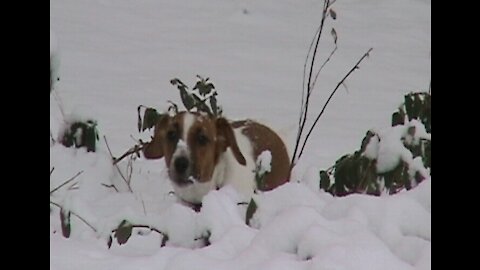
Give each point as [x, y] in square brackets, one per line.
[192, 144]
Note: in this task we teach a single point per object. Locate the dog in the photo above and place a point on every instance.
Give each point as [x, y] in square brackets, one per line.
[204, 153]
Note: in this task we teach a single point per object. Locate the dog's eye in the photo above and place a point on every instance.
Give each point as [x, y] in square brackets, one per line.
[172, 136]
[202, 139]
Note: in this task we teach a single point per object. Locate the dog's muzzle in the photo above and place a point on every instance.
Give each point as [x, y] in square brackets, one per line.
[180, 172]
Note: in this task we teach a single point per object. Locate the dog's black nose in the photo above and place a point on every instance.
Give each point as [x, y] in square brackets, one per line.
[181, 164]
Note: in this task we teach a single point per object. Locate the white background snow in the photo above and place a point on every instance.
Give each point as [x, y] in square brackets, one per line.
[114, 55]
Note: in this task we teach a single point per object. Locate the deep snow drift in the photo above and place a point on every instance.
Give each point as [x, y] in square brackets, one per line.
[116, 55]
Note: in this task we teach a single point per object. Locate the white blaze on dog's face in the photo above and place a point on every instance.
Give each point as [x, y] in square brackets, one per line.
[192, 145]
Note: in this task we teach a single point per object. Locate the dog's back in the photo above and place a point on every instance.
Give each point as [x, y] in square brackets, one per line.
[262, 139]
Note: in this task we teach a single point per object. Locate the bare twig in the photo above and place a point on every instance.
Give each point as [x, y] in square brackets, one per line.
[144, 208]
[51, 171]
[108, 147]
[130, 169]
[324, 63]
[51, 137]
[330, 97]
[304, 109]
[73, 186]
[110, 186]
[134, 150]
[59, 102]
[78, 216]
[116, 165]
[66, 182]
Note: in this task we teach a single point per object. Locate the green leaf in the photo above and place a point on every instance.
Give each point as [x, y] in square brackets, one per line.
[65, 222]
[324, 180]
[251, 209]
[187, 99]
[164, 240]
[109, 242]
[178, 83]
[90, 138]
[213, 105]
[334, 35]
[398, 118]
[150, 118]
[333, 14]
[204, 86]
[410, 106]
[139, 122]
[201, 106]
[123, 232]
[173, 107]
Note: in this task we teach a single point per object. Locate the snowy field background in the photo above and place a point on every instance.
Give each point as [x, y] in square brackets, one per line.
[117, 54]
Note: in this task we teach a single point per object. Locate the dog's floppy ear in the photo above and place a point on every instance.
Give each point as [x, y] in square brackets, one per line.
[226, 138]
[154, 149]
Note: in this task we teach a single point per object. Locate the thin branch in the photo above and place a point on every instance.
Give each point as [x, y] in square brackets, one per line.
[324, 63]
[304, 76]
[78, 216]
[73, 186]
[326, 5]
[129, 169]
[110, 186]
[66, 182]
[143, 205]
[330, 97]
[51, 137]
[51, 171]
[59, 102]
[134, 150]
[108, 147]
[115, 164]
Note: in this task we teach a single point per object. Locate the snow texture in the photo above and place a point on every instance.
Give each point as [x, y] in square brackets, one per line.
[119, 54]
[264, 162]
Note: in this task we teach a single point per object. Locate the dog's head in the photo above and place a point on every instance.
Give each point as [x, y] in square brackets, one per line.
[192, 144]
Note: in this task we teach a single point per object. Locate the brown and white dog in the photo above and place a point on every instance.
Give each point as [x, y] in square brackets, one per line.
[203, 153]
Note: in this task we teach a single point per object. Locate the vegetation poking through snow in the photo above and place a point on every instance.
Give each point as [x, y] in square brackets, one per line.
[390, 160]
[81, 134]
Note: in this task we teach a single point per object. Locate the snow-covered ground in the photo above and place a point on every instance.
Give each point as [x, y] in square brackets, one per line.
[114, 55]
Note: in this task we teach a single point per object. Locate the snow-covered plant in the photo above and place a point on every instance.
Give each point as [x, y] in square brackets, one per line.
[196, 99]
[193, 100]
[263, 166]
[80, 133]
[417, 105]
[389, 160]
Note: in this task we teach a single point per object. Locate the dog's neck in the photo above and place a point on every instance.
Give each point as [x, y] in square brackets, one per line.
[195, 206]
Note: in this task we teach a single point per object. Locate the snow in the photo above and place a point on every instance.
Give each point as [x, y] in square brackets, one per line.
[371, 150]
[117, 55]
[54, 59]
[391, 150]
[264, 162]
